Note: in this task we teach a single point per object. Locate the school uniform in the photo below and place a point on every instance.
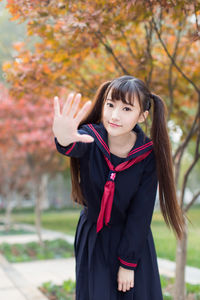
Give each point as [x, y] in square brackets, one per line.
[114, 226]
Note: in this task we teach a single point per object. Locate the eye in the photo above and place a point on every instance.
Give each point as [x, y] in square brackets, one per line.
[109, 104]
[127, 108]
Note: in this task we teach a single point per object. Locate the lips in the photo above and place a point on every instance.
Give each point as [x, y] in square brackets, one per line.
[114, 125]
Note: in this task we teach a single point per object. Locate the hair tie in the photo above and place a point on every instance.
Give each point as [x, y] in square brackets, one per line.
[148, 105]
[152, 96]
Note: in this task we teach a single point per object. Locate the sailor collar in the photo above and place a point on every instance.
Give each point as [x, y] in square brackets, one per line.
[99, 133]
[141, 149]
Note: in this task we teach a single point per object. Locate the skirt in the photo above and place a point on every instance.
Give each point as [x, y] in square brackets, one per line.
[97, 265]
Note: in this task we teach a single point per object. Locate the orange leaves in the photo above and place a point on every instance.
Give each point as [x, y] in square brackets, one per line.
[84, 43]
[58, 25]
[46, 69]
[6, 66]
[19, 46]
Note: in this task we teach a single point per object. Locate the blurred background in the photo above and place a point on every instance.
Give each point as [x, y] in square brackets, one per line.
[50, 48]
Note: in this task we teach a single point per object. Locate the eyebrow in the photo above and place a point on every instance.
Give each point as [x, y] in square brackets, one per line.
[115, 100]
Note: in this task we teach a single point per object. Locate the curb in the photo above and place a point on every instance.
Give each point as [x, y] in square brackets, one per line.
[20, 283]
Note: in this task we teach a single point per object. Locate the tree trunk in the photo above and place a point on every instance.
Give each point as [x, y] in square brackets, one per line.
[181, 254]
[44, 197]
[39, 192]
[8, 211]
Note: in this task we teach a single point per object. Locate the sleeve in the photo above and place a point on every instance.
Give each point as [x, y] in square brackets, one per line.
[139, 217]
[76, 149]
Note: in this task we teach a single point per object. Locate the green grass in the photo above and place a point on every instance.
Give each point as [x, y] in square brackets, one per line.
[13, 231]
[191, 289]
[64, 221]
[66, 291]
[165, 242]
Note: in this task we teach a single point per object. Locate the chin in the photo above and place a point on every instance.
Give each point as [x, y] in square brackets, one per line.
[114, 131]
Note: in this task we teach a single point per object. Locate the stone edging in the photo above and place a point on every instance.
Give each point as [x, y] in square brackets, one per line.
[20, 283]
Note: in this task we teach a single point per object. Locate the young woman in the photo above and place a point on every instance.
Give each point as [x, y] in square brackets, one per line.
[115, 170]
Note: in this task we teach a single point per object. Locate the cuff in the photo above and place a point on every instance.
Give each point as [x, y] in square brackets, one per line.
[64, 149]
[127, 265]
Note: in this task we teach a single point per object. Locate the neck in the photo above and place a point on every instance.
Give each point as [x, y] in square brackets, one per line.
[122, 143]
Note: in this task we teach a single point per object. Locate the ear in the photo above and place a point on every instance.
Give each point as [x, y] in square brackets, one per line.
[143, 116]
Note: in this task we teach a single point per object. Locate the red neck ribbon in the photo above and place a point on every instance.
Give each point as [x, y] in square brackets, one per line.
[109, 188]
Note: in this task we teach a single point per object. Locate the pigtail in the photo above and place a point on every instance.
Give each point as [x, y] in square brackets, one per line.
[170, 208]
[93, 116]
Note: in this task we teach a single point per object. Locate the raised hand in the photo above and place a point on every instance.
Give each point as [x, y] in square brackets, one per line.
[65, 123]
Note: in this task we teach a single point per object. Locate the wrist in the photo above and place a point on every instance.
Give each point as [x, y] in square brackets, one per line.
[64, 143]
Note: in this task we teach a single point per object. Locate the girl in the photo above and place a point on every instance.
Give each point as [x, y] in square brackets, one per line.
[115, 169]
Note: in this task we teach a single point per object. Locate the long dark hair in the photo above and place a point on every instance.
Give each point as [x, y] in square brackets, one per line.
[126, 88]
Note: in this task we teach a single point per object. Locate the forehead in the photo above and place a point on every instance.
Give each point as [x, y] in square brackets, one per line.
[127, 97]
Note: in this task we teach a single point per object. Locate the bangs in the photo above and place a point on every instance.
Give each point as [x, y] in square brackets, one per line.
[126, 91]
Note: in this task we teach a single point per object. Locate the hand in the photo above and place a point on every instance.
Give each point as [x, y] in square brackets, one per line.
[125, 279]
[65, 125]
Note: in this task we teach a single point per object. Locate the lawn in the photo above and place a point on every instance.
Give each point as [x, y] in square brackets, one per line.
[165, 242]
[64, 221]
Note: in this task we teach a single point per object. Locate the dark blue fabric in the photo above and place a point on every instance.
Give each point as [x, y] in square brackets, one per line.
[128, 234]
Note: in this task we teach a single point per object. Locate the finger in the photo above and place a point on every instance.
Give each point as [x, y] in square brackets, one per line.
[82, 112]
[56, 106]
[74, 106]
[124, 287]
[85, 138]
[133, 281]
[119, 286]
[67, 104]
[128, 286]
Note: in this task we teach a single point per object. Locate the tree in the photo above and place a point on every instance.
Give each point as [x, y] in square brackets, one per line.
[157, 39]
[28, 155]
[14, 172]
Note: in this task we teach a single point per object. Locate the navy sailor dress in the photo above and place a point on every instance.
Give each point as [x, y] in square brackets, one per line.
[125, 239]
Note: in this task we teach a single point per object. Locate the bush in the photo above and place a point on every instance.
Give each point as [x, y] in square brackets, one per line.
[33, 251]
[66, 291]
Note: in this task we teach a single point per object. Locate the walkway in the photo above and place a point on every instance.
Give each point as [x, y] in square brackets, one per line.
[63, 269]
[14, 286]
[166, 267]
[20, 281]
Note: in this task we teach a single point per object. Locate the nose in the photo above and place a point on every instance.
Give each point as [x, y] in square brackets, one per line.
[115, 114]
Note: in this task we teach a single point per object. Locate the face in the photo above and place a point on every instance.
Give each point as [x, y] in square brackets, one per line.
[119, 118]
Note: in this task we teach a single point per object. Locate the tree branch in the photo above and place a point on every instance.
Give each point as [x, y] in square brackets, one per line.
[189, 170]
[187, 207]
[149, 32]
[128, 44]
[170, 56]
[196, 18]
[110, 51]
[170, 84]
[182, 147]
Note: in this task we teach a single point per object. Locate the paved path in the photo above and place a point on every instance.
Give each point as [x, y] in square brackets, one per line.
[20, 281]
[25, 238]
[13, 286]
[47, 270]
[63, 269]
[167, 268]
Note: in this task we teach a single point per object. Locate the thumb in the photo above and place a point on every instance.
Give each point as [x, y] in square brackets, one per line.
[85, 138]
